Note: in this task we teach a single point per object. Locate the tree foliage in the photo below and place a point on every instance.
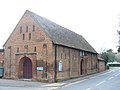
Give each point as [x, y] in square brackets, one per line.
[104, 55]
[108, 56]
[118, 49]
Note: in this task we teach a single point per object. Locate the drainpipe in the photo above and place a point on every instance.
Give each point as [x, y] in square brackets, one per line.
[46, 62]
[55, 64]
[69, 64]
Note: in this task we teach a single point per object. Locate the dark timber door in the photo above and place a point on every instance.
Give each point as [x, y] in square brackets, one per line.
[81, 66]
[27, 69]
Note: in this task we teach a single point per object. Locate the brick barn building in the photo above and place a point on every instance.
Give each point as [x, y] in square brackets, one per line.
[39, 49]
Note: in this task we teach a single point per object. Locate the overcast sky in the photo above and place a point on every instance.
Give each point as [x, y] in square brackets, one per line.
[96, 20]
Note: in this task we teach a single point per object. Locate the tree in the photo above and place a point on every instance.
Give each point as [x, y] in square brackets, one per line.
[108, 56]
[104, 55]
[118, 49]
[109, 51]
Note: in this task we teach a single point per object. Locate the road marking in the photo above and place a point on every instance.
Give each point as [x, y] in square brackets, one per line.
[113, 70]
[110, 78]
[117, 74]
[75, 83]
[88, 88]
[100, 74]
[100, 83]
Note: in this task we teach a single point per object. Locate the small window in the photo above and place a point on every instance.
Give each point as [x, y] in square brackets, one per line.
[33, 28]
[61, 55]
[29, 36]
[23, 36]
[26, 46]
[9, 47]
[21, 29]
[17, 49]
[26, 28]
[44, 45]
[85, 54]
[82, 53]
[34, 49]
[65, 56]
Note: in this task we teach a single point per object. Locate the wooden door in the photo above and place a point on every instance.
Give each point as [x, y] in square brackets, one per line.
[27, 69]
[82, 67]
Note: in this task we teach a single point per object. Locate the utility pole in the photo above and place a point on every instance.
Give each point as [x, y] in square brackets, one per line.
[118, 41]
[118, 31]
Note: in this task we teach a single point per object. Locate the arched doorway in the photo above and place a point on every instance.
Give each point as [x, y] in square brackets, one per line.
[82, 67]
[26, 68]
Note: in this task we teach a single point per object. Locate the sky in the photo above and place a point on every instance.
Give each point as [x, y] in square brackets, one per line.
[96, 20]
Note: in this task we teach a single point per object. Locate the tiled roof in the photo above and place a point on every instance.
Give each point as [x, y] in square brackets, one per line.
[60, 35]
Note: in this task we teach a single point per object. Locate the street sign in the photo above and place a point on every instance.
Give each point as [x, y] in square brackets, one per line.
[39, 68]
[60, 66]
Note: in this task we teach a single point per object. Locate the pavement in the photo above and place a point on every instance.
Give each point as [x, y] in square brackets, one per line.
[43, 86]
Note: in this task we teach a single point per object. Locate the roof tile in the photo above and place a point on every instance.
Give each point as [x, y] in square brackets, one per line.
[62, 36]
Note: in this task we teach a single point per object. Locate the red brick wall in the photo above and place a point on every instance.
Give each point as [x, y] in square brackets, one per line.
[101, 66]
[26, 47]
[71, 63]
[1, 58]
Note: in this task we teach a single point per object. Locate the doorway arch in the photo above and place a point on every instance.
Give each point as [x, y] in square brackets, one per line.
[82, 66]
[25, 68]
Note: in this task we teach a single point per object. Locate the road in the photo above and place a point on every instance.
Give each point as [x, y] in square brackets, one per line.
[106, 81]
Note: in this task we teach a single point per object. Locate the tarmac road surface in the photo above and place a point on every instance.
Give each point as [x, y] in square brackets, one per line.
[105, 81]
